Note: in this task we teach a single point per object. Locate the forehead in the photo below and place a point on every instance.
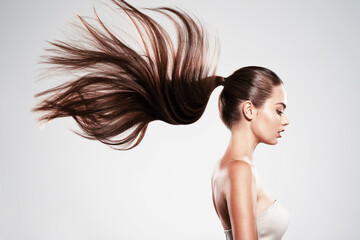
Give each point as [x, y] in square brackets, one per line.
[278, 95]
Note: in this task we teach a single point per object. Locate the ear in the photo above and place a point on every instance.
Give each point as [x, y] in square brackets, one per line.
[248, 110]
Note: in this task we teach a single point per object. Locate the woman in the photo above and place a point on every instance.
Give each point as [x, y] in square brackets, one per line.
[120, 90]
[256, 100]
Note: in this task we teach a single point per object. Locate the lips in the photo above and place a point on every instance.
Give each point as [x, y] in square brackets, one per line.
[280, 132]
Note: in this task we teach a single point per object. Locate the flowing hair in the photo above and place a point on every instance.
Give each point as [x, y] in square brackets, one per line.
[123, 90]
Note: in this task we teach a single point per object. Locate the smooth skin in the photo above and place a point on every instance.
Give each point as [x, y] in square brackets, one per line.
[237, 199]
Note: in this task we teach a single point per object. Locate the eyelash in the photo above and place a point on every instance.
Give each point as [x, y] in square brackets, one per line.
[279, 112]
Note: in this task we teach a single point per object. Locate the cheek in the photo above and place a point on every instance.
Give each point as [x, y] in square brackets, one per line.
[266, 126]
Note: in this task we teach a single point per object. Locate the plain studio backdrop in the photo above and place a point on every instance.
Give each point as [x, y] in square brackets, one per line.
[57, 185]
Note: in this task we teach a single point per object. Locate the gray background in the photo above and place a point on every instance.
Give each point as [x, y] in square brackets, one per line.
[56, 185]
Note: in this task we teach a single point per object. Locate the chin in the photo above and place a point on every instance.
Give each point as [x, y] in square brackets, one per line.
[271, 142]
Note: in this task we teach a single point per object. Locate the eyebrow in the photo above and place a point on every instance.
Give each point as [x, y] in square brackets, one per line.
[284, 105]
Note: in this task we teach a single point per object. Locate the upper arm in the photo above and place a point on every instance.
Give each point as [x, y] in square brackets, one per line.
[241, 201]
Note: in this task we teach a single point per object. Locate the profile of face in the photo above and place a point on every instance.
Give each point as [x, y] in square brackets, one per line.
[270, 120]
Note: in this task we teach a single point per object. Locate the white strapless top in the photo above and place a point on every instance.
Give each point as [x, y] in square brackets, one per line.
[271, 224]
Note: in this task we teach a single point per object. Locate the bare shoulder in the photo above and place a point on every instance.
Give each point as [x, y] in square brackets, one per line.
[238, 169]
[238, 175]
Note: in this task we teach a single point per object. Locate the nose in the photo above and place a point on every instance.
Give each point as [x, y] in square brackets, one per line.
[285, 121]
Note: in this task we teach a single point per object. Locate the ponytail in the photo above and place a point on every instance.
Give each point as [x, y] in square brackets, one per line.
[124, 90]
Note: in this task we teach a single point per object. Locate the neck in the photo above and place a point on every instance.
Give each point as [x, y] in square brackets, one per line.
[242, 144]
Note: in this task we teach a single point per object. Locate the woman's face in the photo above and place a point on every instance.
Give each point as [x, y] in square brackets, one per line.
[271, 117]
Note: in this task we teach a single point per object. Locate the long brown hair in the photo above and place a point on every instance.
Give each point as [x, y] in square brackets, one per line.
[124, 90]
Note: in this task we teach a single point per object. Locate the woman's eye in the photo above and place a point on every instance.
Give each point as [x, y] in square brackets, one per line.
[279, 112]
